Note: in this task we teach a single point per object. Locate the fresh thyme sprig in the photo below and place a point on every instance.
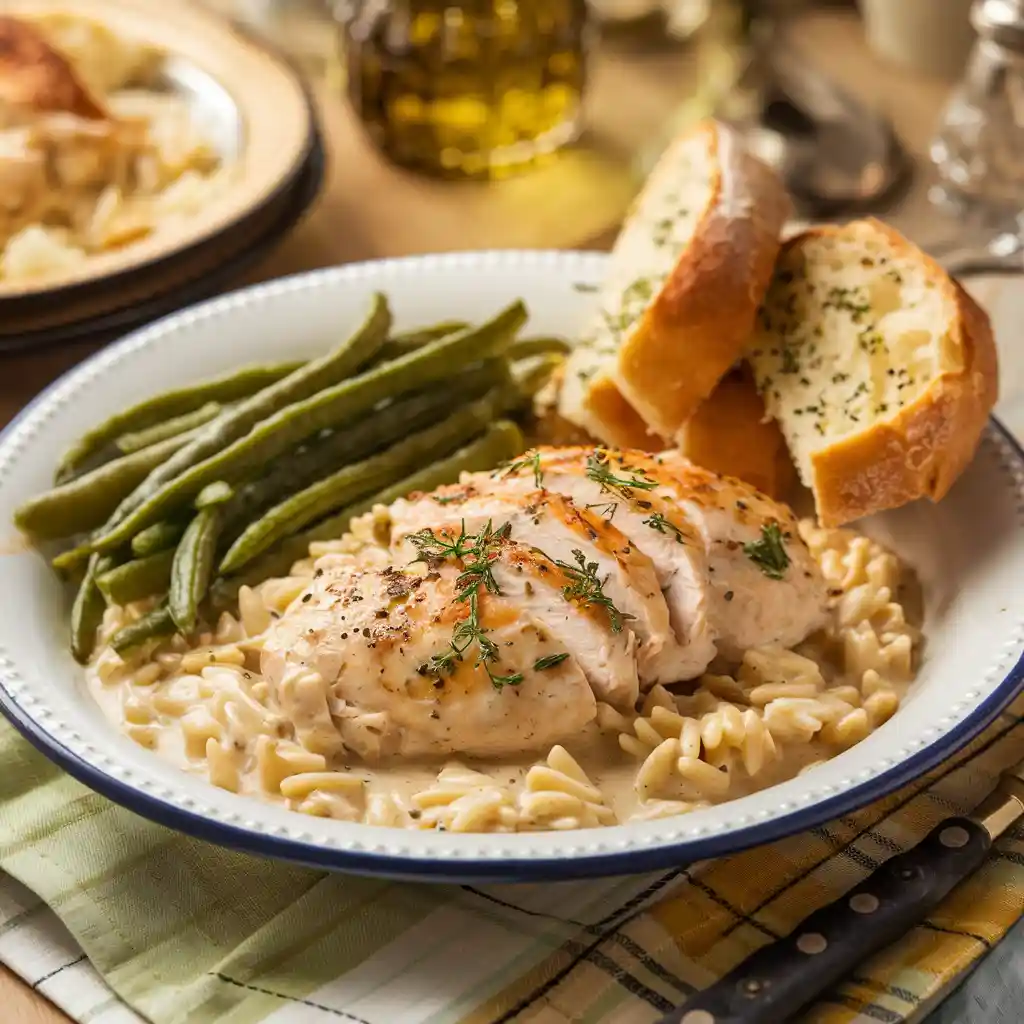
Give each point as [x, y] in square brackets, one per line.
[587, 589]
[550, 661]
[477, 552]
[769, 553]
[656, 521]
[531, 459]
[599, 470]
[605, 509]
[434, 548]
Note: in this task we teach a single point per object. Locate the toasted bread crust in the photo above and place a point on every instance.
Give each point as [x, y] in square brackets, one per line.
[35, 77]
[920, 451]
[698, 324]
[731, 435]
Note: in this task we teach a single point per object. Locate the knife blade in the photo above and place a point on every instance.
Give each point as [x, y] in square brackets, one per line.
[780, 979]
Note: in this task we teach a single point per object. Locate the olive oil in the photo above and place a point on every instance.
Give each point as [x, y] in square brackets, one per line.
[476, 89]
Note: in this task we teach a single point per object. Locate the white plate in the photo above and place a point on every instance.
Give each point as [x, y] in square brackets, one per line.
[967, 550]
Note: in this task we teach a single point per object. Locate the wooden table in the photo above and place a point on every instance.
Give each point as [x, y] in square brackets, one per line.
[370, 209]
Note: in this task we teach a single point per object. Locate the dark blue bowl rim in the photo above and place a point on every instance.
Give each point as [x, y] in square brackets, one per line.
[634, 861]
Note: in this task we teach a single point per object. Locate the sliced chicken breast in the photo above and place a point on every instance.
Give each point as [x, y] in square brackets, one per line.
[765, 586]
[567, 598]
[553, 524]
[377, 646]
[606, 483]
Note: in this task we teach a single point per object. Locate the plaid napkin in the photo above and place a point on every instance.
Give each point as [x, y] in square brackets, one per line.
[182, 931]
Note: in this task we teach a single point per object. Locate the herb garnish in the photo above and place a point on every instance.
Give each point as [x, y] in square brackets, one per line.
[447, 499]
[605, 509]
[549, 662]
[769, 553]
[586, 589]
[658, 522]
[533, 461]
[477, 552]
[599, 470]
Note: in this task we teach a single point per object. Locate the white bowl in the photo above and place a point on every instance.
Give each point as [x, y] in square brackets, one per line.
[967, 550]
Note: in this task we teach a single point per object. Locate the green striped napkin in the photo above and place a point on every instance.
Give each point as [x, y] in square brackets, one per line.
[187, 933]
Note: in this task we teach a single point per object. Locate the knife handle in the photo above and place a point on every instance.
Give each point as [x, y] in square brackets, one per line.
[777, 981]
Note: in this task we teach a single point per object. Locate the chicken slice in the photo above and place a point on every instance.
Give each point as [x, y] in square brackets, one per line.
[602, 481]
[380, 641]
[567, 598]
[766, 588]
[552, 523]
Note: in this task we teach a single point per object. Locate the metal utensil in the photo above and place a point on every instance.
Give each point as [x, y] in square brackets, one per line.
[835, 155]
[779, 980]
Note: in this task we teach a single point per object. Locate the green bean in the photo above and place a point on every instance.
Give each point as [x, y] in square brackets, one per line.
[501, 442]
[301, 385]
[134, 441]
[525, 348]
[147, 413]
[87, 611]
[361, 478]
[399, 344]
[334, 406]
[158, 623]
[192, 567]
[315, 460]
[142, 577]
[88, 500]
[217, 493]
[533, 376]
[156, 538]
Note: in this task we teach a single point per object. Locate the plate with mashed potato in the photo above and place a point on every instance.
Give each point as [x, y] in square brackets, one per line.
[134, 141]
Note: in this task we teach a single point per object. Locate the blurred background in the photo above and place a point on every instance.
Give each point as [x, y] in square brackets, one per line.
[498, 123]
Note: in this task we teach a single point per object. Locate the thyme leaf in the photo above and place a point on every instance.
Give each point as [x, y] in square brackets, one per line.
[550, 661]
[769, 553]
[531, 459]
[587, 589]
[600, 471]
[658, 522]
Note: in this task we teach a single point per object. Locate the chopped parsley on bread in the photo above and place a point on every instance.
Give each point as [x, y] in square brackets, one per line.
[879, 368]
[685, 279]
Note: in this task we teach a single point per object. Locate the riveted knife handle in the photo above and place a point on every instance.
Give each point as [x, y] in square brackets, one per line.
[776, 982]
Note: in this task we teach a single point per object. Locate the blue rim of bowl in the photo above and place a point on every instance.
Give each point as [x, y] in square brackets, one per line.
[627, 862]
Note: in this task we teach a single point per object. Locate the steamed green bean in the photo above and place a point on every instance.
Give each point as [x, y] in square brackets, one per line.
[156, 538]
[525, 348]
[139, 578]
[304, 383]
[158, 409]
[321, 457]
[361, 478]
[192, 567]
[501, 441]
[85, 502]
[400, 344]
[153, 626]
[87, 610]
[331, 407]
[137, 440]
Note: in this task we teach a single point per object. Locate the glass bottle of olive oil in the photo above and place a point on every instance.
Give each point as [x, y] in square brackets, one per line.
[470, 89]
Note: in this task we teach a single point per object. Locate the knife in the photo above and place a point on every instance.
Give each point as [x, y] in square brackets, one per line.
[779, 980]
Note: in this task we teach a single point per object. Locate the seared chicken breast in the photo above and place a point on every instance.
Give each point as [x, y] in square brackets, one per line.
[604, 481]
[517, 600]
[552, 523]
[765, 588]
[380, 645]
